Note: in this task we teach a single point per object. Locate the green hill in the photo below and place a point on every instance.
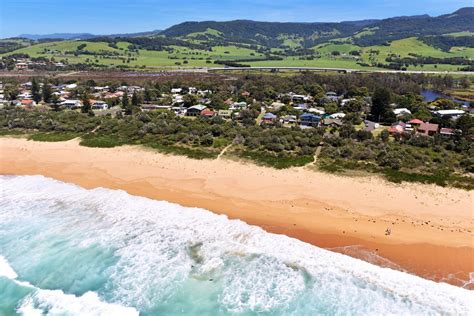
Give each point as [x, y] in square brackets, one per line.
[414, 43]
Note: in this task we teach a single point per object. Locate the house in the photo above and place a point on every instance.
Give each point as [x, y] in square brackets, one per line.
[337, 115]
[195, 110]
[99, 105]
[27, 102]
[309, 119]
[269, 118]
[204, 92]
[415, 122]
[21, 66]
[317, 111]
[25, 95]
[225, 114]
[288, 119]
[446, 132]
[245, 94]
[401, 112]
[208, 113]
[300, 107]
[238, 106]
[176, 90]
[397, 128]
[72, 104]
[408, 128]
[277, 105]
[299, 98]
[330, 97]
[332, 122]
[427, 129]
[449, 113]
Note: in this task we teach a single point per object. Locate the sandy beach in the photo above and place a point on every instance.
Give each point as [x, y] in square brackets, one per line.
[431, 228]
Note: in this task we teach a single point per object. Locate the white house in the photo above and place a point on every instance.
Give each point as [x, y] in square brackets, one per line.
[72, 104]
[100, 105]
[176, 90]
[71, 86]
[238, 106]
[337, 115]
[316, 111]
[401, 111]
[450, 113]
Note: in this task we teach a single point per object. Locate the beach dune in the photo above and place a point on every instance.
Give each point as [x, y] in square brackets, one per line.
[423, 229]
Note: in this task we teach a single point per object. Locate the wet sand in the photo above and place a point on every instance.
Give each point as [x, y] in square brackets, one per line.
[431, 228]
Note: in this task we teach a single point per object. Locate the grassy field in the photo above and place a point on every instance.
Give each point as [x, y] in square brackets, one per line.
[178, 56]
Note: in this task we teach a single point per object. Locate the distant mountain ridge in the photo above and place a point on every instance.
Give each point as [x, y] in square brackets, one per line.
[379, 31]
[83, 36]
[306, 35]
[64, 36]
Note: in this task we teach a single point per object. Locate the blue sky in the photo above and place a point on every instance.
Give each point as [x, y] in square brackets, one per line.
[123, 16]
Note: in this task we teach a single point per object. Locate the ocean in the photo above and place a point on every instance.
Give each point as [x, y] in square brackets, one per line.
[65, 250]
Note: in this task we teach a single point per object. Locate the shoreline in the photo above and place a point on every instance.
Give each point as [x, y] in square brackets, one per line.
[328, 211]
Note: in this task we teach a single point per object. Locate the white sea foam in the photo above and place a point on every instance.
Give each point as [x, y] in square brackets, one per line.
[161, 247]
[6, 270]
[55, 302]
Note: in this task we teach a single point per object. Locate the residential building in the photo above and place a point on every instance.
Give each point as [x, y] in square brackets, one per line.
[269, 118]
[72, 104]
[195, 110]
[225, 114]
[428, 129]
[309, 119]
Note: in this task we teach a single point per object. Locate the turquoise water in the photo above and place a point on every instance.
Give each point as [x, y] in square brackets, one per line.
[65, 250]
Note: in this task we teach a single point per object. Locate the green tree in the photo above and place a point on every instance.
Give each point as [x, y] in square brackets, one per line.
[86, 103]
[380, 103]
[316, 91]
[384, 135]
[217, 102]
[147, 95]
[423, 114]
[135, 100]
[466, 124]
[126, 103]
[190, 100]
[47, 92]
[355, 105]
[331, 107]
[55, 103]
[35, 90]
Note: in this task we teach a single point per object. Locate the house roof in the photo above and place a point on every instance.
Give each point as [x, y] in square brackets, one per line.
[27, 102]
[310, 116]
[269, 116]
[401, 111]
[198, 107]
[207, 112]
[415, 121]
[428, 127]
[446, 131]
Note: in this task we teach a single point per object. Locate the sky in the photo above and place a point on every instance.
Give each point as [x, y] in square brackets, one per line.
[128, 16]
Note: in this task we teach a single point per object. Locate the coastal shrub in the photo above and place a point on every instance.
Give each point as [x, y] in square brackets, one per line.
[53, 137]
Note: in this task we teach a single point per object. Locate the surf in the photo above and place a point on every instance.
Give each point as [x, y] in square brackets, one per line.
[107, 247]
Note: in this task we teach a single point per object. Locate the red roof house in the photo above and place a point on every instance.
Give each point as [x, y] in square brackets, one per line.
[428, 129]
[207, 113]
[28, 102]
[416, 121]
